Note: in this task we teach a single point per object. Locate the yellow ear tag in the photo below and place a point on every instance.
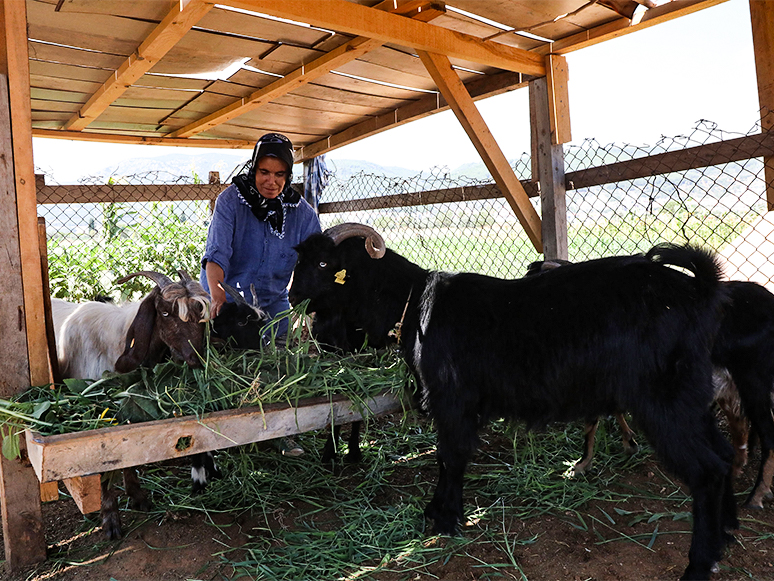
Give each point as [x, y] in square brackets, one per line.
[340, 276]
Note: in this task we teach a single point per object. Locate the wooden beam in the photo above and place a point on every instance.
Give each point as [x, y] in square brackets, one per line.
[739, 149]
[622, 26]
[104, 193]
[49, 491]
[464, 108]
[762, 20]
[139, 140]
[21, 320]
[24, 172]
[347, 52]
[558, 77]
[358, 20]
[429, 105]
[86, 492]
[183, 16]
[95, 451]
[550, 171]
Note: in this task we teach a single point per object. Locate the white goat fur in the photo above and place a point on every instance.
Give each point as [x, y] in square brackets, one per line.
[90, 337]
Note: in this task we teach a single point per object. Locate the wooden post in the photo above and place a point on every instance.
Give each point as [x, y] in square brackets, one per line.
[460, 101]
[549, 161]
[24, 355]
[214, 179]
[762, 20]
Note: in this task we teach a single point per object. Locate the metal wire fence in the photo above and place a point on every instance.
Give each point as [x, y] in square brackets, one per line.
[442, 220]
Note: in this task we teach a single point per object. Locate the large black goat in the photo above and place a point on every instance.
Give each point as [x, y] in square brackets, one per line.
[95, 336]
[621, 333]
[743, 379]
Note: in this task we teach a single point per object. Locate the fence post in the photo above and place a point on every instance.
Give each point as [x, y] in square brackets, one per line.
[762, 21]
[549, 161]
[24, 360]
[214, 179]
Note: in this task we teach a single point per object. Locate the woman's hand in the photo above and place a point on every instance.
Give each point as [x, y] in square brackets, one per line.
[215, 276]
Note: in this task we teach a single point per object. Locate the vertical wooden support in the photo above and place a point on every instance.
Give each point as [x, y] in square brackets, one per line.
[460, 101]
[762, 20]
[24, 355]
[214, 179]
[557, 78]
[549, 161]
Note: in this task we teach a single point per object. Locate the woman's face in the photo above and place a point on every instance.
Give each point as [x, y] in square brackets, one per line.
[270, 176]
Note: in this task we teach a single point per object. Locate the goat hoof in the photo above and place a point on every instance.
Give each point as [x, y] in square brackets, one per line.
[142, 504]
[353, 457]
[111, 526]
[694, 573]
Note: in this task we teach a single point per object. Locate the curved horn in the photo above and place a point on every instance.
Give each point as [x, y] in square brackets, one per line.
[255, 296]
[183, 274]
[161, 280]
[234, 294]
[373, 240]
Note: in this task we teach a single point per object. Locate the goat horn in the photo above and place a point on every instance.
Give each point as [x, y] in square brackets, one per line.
[161, 280]
[234, 294]
[255, 296]
[373, 240]
[183, 274]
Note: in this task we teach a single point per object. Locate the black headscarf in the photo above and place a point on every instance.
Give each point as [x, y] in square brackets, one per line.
[266, 210]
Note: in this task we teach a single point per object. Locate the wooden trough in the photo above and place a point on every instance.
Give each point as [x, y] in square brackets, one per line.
[79, 454]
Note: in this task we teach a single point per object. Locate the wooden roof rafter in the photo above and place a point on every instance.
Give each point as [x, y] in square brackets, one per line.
[359, 20]
[181, 18]
[420, 10]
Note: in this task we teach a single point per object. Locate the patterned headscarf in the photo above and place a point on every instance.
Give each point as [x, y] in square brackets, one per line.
[266, 210]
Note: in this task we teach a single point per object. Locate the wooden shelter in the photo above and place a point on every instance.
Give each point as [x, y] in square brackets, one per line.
[324, 72]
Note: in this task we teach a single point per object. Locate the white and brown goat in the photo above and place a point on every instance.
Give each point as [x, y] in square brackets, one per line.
[95, 337]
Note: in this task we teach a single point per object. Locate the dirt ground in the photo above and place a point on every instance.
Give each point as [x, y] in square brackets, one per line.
[186, 545]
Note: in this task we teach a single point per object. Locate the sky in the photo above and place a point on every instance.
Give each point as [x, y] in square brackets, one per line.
[633, 89]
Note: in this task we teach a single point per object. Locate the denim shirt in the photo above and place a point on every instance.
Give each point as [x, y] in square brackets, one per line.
[248, 252]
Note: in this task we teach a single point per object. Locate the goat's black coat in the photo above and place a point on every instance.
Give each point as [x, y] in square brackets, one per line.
[743, 346]
[574, 343]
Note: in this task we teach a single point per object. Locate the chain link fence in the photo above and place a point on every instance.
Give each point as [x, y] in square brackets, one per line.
[707, 188]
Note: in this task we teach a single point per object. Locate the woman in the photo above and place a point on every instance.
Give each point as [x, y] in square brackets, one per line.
[257, 221]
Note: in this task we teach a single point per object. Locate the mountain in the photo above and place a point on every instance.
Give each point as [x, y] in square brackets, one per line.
[172, 166]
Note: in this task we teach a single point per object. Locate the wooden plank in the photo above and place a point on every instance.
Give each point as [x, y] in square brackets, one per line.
[741, 148]
[96, 451]
[49, 491]
[557, 77]
[174, 26]
[86, 492]
[300, 76]
[428, 105]
[73, 56]
[360, 20]
[83, 194]
[622, 26]
[23, 169]
[550, 171]
[442, 196]
[53, 360]
[471, 120]
[23, 534]
[143, 140]
[762, 21]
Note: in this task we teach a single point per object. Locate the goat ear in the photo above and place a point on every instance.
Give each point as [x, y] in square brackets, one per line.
[138, 337]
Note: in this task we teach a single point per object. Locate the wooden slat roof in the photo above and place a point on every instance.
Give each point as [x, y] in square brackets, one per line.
[324, 72]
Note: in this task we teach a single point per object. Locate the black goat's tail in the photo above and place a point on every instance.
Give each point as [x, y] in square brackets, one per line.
[702, 263]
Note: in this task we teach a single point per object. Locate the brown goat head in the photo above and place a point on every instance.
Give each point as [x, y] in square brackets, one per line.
[170, 319]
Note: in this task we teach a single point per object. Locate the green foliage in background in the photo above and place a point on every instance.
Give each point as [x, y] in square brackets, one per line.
[155, 238]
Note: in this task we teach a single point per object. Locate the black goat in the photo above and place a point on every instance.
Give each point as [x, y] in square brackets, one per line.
[621, 333]
[743, 379]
